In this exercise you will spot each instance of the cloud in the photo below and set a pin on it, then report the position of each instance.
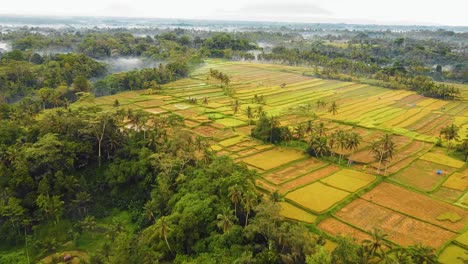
(119, 9)
(283, 9)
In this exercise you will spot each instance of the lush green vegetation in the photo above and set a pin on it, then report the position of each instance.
(22, 73)
(102, 183)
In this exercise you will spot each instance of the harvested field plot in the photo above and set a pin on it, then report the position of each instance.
(155, 110)
(308, 178)
(447, 194)
(423, 175)
(293, 171)
(205, 131)
(317, 196)
(349, 180)
(151, 103)
(336, 227)
(190, 123)
(273, 158)
(363, 156)
(368, 216)
(246, 130)
(247, 152)
(457, 181)
(265, 186)
(443, 159)
(230, 122)
(416, 205)
(232, 141)
(404, 162)
(292, 212)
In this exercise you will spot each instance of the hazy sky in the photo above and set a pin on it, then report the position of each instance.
(426, 12)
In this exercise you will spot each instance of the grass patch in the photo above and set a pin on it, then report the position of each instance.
(450, 216)
(423, 175)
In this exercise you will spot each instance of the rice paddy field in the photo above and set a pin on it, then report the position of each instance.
(421, 195)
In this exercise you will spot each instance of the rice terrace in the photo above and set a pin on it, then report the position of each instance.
(421, 190)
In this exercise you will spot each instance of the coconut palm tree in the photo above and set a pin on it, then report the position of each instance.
(331, 144)
(320, 130)
(319, 103)
(309, 128)
(236, 106)
(235, 195)
(250, 114)
(389, 149)
(383, 150)
(225, 220)
(422, 254)
(352, 143)
(276, 197)
(341, 139)
(299, 131)
(376, 245)
(249, 200)
(333, 108)
(274, 123)
(319, 146)
(259, 110)
(450, 133)
(163, 228)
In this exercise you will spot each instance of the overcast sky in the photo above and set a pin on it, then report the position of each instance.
(425, 12)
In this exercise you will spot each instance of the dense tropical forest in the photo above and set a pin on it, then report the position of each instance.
(120, 185)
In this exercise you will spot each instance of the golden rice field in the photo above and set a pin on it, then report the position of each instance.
(410, 197)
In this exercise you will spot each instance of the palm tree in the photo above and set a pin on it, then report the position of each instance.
(341, 138)
(333, 108)
(259, 110)
(225, 220)
(331, 144)
(235, 195)
(163, 228)
(236, 106)
(299, 131)
(309, 127)
(319, 103)
(276, 197)
(319, 146)
(116, 228)
(320, 130)
(450, 133)
(383, 150)
(249, 200)
(376, 245)
(422, 254)
(353, 142)
(389, 149)
(250, 113)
